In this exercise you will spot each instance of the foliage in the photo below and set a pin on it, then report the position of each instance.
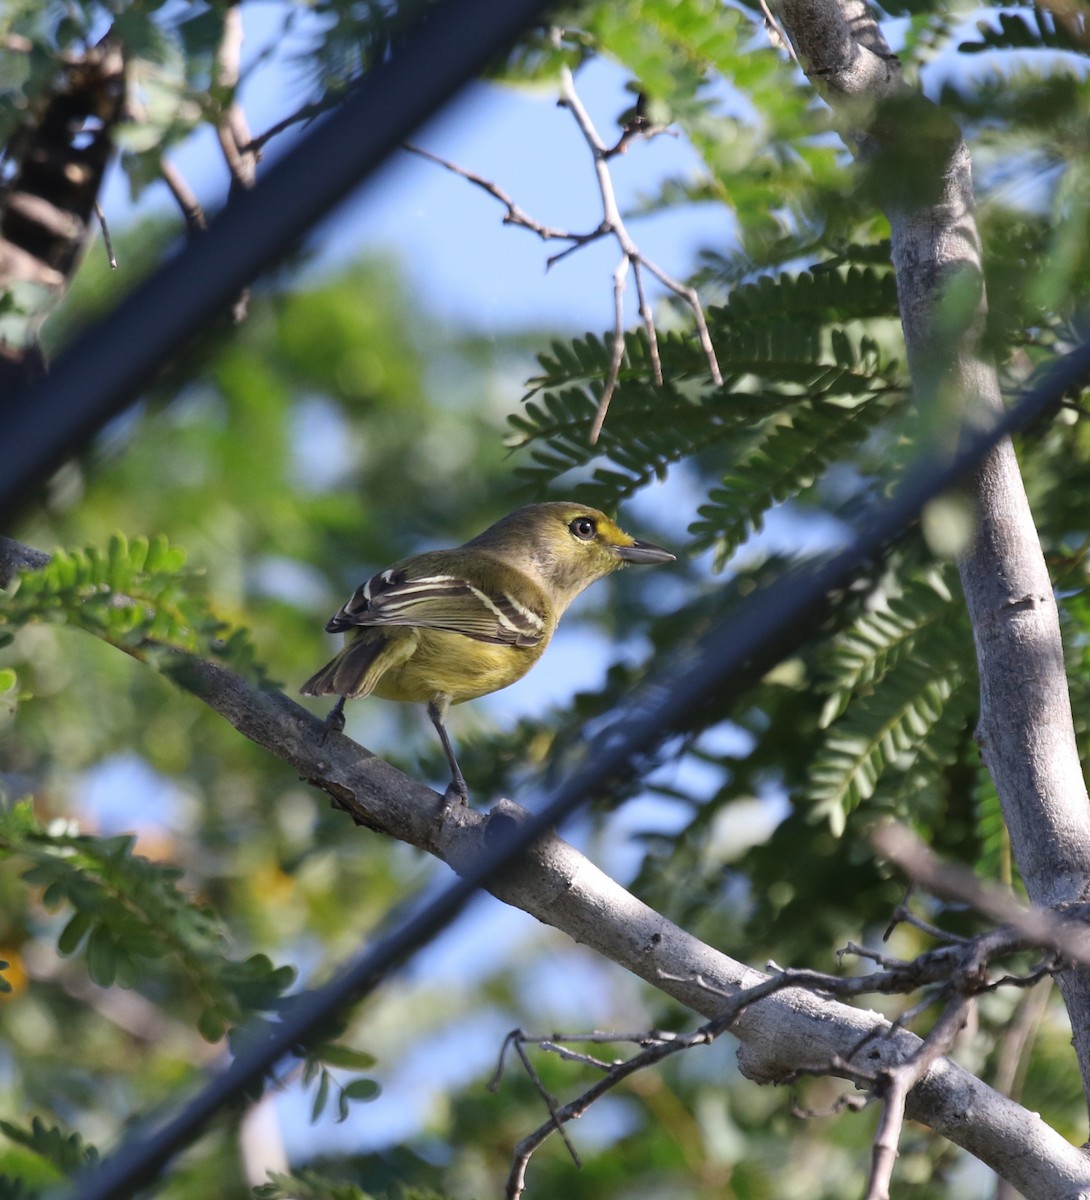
(310, 1185)
(136, 597)
(66, 1152)
(804, 384)
(128, 913)
(341, 427)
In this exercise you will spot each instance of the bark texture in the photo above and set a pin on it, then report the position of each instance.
(1025, 729)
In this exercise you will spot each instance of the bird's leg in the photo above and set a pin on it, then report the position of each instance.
(334, 722)
(437, 710)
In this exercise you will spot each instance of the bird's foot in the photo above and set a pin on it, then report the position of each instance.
(334, 722)
(456, 793)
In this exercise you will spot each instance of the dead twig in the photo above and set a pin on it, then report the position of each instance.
(514, 215)
(903, 915)
(612, 225)
(658, 1047)
(896, 1082)
(1064, 932)
(614, 222)
(232, 128)
(954, 974)
(107, 241)
(307, 113)
(192, 212)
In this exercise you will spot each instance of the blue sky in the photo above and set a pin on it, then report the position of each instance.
(463, 263)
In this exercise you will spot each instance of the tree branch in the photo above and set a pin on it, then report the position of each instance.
(1025, 730)
(184, 196)
(614, 222)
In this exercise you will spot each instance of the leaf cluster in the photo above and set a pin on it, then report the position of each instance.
(130, 917)
(807, 376)
(68, 1153)
(134, 595)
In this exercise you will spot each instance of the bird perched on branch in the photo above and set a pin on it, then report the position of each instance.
(451, 625)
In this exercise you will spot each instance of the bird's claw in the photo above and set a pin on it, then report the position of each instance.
(455, 794)
(334, 722)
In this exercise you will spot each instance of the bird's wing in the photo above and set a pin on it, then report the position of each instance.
(445, 601)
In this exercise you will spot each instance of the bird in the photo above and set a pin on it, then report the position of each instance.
(448, 626)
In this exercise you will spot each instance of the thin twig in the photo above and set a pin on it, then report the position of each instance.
(899, 1081)
(192, 212)
(232, 129)
(960, 970)
(111, 258)
(515, 215)
(776, 35)
(656, 1050)
(612, 225)
(550, 1102)
(307, 113)
(617, 352)
(847, 1102)
(1066, 932)
(648, 324)
(516, 1181)
(903, 915)
(690, 297)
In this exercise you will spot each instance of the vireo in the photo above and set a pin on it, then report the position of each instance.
(451, 625)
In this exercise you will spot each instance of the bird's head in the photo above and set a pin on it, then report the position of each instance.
(565, 546)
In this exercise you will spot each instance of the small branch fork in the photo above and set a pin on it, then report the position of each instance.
(611, 225)
(952, 975)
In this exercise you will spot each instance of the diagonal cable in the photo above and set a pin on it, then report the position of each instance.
(102, 370)
(765, 628)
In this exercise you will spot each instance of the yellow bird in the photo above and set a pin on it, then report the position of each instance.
(451, 625)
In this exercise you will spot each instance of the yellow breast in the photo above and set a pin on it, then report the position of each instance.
(454, 665)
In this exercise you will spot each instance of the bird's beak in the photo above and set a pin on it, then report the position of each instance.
(644, 552)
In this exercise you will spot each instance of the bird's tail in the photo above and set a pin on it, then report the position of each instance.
(359, 666)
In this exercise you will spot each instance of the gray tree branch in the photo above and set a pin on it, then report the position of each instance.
(1025, 729)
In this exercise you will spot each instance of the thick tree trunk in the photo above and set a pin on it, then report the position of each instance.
(1025, 729)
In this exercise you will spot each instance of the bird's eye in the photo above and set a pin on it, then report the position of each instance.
(584, 528)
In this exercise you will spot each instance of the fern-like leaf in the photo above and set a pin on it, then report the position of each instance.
(860, 656)
(1036, 29)
(784, 343)
(128, 913)
(138, 596)
(787, 461)
(877, 733)
(67, 1152)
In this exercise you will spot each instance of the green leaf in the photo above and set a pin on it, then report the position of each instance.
(362, 1089)
(321, 1095)
(102, 957)
(211, 1025)
(346, 1057)
(77, 928)
(65, 1151)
